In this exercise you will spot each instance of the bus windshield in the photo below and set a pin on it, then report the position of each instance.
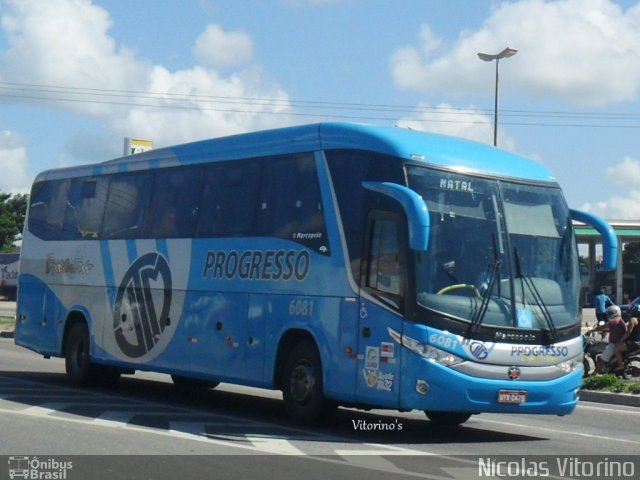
(501, 254)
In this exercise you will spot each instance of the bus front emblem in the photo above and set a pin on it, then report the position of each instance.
(142, 305)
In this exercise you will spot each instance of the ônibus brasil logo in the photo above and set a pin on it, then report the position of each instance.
(141, 309)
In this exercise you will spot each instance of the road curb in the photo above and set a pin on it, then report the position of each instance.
(7, 334)
(626, 399)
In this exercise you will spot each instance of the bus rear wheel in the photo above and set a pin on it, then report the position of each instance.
(77, 361)
(302, 393)
(448, 419)
(79, 367)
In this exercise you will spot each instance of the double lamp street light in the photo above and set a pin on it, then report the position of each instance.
(506, 53)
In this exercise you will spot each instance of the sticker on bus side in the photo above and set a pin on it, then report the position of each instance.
(257, 265)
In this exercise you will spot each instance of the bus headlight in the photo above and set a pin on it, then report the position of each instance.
(432, 354)
(571, 365)
(440, 357)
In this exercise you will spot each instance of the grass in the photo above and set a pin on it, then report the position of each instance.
(7, 321)
(610, 383)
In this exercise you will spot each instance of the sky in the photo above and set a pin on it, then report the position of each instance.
(77, 76)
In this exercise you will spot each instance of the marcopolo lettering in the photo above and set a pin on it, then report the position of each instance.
(257, 265)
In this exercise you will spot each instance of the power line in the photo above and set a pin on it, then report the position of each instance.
(317, 109)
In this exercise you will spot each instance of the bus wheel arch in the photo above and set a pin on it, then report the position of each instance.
(301, 380)
(76, 350)
(73, 318)
(287, 342)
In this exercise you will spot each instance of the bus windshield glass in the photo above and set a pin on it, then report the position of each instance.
(500, 254)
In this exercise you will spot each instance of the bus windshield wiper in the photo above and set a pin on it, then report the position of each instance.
(535, 293)
(477, 318)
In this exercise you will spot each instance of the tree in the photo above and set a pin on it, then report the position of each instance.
(631, 253)
(12, 212)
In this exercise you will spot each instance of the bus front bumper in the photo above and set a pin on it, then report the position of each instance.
(437, 388)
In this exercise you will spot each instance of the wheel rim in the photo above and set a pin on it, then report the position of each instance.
(302, 384)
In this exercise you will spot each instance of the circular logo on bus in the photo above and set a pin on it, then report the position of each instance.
(479, 351)
(142, 305)
(513, 373)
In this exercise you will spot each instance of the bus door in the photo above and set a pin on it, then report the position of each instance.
(379, 311)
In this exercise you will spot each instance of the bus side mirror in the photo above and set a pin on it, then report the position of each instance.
(609, 239)
(414, 207)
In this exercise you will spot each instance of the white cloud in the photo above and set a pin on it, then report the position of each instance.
(585, 51)
(625, 206)
(219, 49)
(13, 163)
(626, 172)
(618, 207)
(468, 123)
(67, 43)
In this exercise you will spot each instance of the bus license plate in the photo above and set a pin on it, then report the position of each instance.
(512, 396)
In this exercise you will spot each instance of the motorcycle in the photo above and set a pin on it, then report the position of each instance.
(593, 350)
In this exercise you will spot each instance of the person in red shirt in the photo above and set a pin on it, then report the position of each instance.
(629, 341)
(617, 329)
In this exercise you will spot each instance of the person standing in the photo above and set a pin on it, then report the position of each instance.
(601, 302)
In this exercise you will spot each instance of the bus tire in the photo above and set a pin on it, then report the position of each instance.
(104, 375)
(447, 419)
(187, 383)
(80, 370)
(302, 390)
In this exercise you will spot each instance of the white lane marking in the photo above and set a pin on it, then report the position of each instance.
(618, 409)
(561, 432)
(280, 446)
(114, 418)
(133, 428)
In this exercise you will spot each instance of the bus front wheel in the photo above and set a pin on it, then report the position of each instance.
(449, 419)
(302, 393)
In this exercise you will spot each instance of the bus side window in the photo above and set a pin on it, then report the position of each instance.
(48, 206)
(384, 267)
(85, 207)
(176, 194)
(127, 205)
(228, 200)
(290, 202)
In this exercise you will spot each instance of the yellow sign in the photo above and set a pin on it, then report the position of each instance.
(136, 145)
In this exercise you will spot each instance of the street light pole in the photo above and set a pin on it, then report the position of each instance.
(506, 53)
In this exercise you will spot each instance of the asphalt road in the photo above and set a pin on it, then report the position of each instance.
(243, 432)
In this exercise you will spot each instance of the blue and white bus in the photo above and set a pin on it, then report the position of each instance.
(343, 264)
